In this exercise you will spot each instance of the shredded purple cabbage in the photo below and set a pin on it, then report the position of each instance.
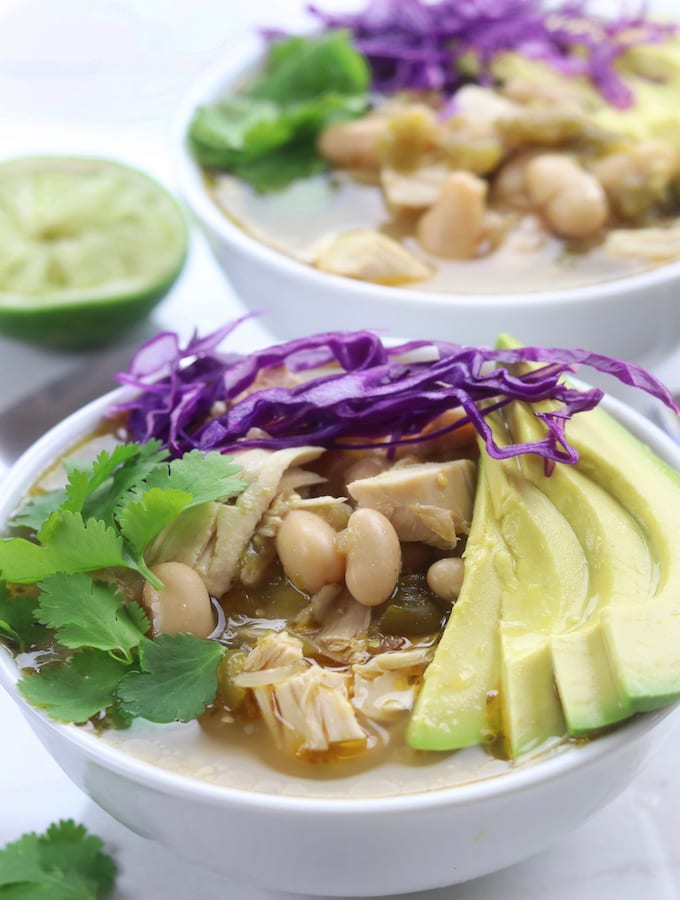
(416, 44)
(365, 392)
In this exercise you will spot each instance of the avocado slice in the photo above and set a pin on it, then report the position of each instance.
(453, 707)
(546, 593)
(642, 636)
(619, 571)
(532, 713)
(570, 606)
(524, 568)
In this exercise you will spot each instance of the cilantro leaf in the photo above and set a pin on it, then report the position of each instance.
(141, 520)
(238, 130)
(177, 681)
(36, 511)
(16, 616)
(75, 691)
(84, 479)
(268, 136)
(131, 489)
(68, 544)
(64, 863)
(276, 171)
(132, 473)
(206, 476)
(86, 613)
(95, 488)
(301, 69)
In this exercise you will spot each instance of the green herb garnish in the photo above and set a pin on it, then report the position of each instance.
(104, 519)
(267, 135)
(63, 863)
(111, 510)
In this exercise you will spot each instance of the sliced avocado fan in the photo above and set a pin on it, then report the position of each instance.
(568, 620)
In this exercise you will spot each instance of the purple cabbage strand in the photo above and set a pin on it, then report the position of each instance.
(364, 392)
(413, 44)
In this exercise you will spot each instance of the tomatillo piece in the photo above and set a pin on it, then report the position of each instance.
(90, 246)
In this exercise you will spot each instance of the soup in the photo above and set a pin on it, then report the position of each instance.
(334, 558)
(500, 173)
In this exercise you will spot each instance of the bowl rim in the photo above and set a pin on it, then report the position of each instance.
(526, 775)
(217, 81)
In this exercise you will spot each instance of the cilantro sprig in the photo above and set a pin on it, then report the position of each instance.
(63, 863)
(110, 511)
(105, 518)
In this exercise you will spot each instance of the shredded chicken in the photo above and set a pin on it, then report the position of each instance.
(386, 686)
(306, 708)
(343, 622)
(236, 523)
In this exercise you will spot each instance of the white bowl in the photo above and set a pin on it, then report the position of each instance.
(342, 845)
(636, 318)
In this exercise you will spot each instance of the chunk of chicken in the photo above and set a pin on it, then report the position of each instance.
(367, 255)
(429, 502)
(236, 523)
(274, 657)
(343, 620)
(454, 226)
(355, 144)
(469, 139)
(434, 446)
(314, 713)
(385, 687)
(307, 711)
(483, 104)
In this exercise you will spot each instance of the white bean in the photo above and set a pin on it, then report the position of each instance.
(307, 549)
(373, 556)
(454, 226)
(445, 577)
(183, 605)
(572, 200)
(355, 144)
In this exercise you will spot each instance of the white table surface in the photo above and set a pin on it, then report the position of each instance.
(103, 76)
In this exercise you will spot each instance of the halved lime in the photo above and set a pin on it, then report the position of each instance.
(88, 247)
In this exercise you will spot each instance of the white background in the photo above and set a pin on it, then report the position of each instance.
(102, 76)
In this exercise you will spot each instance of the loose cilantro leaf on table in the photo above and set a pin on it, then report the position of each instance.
(63, 863)
(75, 691)
(177, 681)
